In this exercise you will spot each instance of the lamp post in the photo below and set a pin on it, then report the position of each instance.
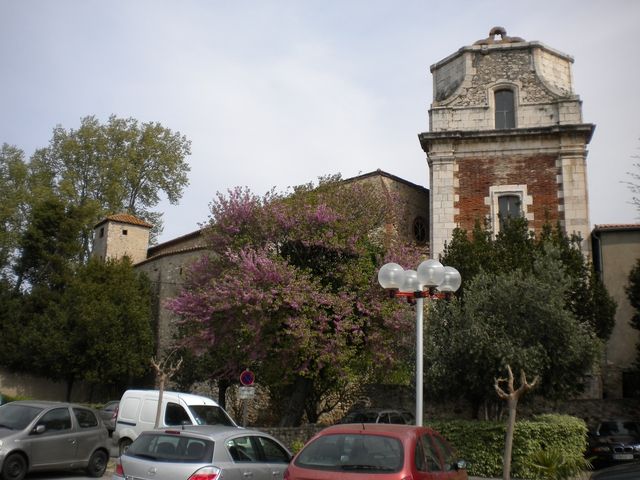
(432, 275)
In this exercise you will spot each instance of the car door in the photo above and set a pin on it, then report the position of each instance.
(249, 460)
(274, 458)
(89, 432)
(448, 459)
(57, 445)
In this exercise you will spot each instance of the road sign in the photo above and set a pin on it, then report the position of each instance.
(247, 378)
(246, 393)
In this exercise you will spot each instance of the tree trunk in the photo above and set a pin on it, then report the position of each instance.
(294, 410)
(223, 386)
(70, 382)
(508, 442)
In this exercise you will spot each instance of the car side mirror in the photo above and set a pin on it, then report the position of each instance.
(38, 429)
(460, 465)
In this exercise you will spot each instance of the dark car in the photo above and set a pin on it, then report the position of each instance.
(108, 414)
(380, 451)
(378, 415)
(38, 435)
(627, 471)
(614, 441)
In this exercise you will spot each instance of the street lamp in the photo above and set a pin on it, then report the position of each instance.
(411, 284)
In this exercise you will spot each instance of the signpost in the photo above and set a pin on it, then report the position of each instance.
(246, 392)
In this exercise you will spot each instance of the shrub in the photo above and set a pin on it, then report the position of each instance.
(481, 443)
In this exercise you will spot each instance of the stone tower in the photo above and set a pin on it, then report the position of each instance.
(121, 235)
(506, 139)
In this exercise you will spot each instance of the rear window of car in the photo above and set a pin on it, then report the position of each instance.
(85, 418)
(171, 447)
(353, 452)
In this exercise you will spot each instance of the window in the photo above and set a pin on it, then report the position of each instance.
(507, 202)
(101, 232)
(176, 415)
(505, 109)
(241, 449)
(163, 447)
(273, 453)
(509, 206)
(125, 231)
(56, 419)
(419, 230)
(426, 455)
(85, 418)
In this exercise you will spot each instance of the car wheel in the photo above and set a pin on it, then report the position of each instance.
(14, 467)
(124, 445)
(97, 464)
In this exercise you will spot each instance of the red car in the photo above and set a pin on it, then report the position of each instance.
(376, 451)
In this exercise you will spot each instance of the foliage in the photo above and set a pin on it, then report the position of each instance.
(109, 306)
(120, 166)
(481, 443)
(48, 247)
(14, 192)
(290, 290)
(516, 248)
(554, 464)
(59, 315)
(96, 329)
(517, 318)
(632, 289)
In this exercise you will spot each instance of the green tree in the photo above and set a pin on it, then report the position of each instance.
(120, 166)
(97, 329)
(14, 192)
(108, 304)
(515, 247)
(516, 318)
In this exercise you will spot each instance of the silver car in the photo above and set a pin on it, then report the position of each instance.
(203, 451)
(38, 435)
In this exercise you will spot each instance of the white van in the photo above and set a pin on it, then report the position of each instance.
(138, 408)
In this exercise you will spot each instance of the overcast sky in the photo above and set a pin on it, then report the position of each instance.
(278, 93)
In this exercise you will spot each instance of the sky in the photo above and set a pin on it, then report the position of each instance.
(276, 93)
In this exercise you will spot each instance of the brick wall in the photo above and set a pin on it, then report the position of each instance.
(477, 175)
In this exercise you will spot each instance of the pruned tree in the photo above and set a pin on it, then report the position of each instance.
(165, 369)
(511, 396)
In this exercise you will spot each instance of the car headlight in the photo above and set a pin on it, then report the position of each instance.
(602, 449)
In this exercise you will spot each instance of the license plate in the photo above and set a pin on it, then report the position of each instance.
(623, 456)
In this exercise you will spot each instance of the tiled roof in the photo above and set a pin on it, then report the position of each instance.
(618, 226)
(125, 218)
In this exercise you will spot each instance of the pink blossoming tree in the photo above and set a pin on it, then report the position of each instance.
(289, 289)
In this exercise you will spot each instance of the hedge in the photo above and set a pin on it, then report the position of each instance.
(481, 443)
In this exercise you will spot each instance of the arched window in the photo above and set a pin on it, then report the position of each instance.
(419, 230)
(505, 109)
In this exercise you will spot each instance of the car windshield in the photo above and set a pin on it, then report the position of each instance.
(210, 415)
(171, 447)
(620, 428)
(17, 417)
(353, 452)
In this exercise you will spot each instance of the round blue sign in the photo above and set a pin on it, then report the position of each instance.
(247, 378)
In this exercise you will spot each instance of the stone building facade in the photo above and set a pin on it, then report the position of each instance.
(506, 137)
(616, 249)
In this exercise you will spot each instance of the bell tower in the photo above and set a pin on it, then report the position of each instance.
(506, 138)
